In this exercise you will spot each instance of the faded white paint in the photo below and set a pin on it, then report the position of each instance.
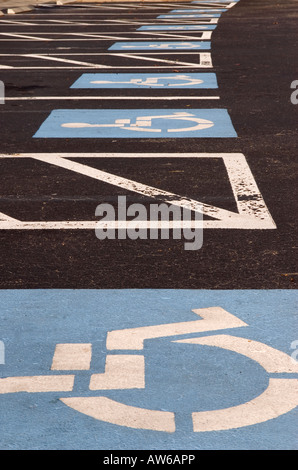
(213, 318)
(121, 372)
(271, 359)
(35, 384)
(253, 213)
(67, 61)
(105, 409)
(204, 61)
(279, 398)
(72, 356)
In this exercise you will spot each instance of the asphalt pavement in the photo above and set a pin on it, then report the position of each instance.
(186, 104)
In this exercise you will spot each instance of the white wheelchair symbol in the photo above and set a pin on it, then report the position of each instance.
(175, 45)
(127, 371)
(154, 81)
(185, 28)
(144, 123)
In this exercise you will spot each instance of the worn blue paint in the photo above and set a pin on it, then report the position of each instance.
(209, 15)
(177, 27)
(160, 45)
(214, 10)
(179, 377)
(135, 123)
(216, 1)
(146, 80)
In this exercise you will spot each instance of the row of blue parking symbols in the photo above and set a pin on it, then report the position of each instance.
(173, 45)
(143, 123)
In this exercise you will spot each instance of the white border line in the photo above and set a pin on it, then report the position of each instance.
(100, 98)
(252, 214)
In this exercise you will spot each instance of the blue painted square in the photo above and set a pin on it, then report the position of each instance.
(146, 80)
(160, 46)
(180, 378)
(178, 27)
(136, 123)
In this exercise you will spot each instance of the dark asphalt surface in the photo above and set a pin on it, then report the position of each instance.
(254, 53)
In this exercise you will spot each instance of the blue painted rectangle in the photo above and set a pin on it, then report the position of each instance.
(156, 46)
(177, 27)
(146, 80)
(136, 123)
(217, 1)
(180, 378)
(211, 15)
(214, 10)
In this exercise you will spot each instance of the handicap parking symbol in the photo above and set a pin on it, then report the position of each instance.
(146, 80)
(201, 15)
(179, 27)
(130, 123)
(214, 10)
(207, 365)
(163, 45)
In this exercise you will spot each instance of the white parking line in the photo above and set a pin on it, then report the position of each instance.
(67, 61)
(162, 98)
(252, 214)
(196, 21)
(62, 36)
(115, 22)
(22, 23)
(20, 37)
(204, 58)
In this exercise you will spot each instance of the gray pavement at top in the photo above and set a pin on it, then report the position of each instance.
(20, 3)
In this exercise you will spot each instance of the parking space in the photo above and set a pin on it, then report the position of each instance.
(111, 112)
